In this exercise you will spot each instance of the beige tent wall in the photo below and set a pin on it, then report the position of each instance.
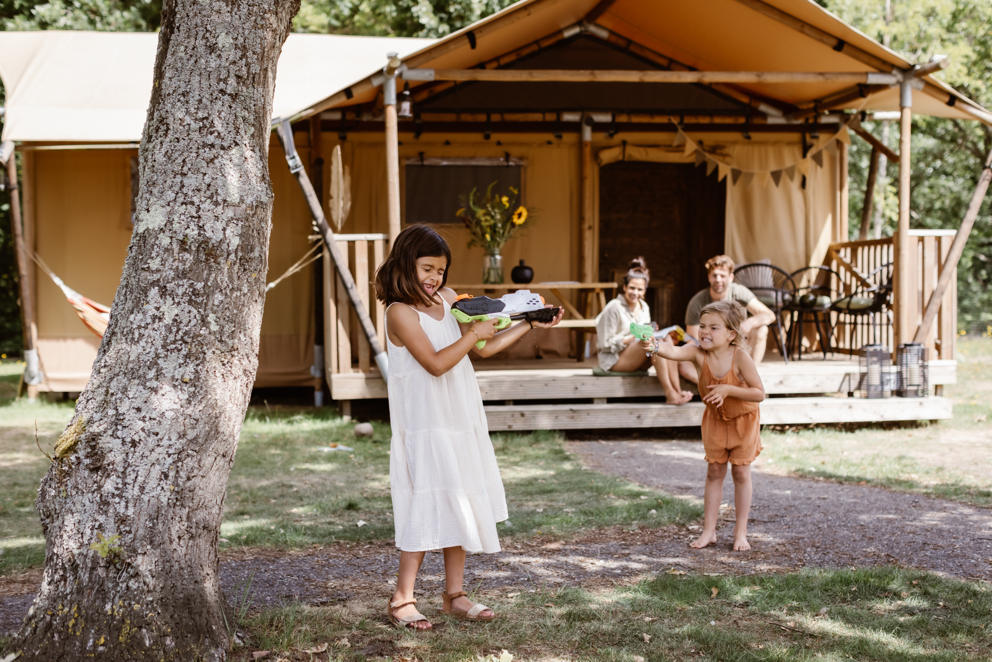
(82, 215)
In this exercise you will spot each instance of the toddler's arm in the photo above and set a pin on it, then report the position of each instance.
(404, 326)
(667, 350)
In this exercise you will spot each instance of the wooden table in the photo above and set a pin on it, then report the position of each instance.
(595, 293)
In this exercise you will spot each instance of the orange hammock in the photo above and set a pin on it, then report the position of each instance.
(94, 315)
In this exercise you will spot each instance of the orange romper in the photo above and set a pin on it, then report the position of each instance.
(731, 432)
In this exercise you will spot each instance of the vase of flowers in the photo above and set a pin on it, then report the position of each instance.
(491, 220)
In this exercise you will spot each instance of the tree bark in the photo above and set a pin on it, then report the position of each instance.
(131, 507)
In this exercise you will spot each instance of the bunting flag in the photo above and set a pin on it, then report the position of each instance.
(818, 157)
(748, 178)
(722, 171)
(790, 172)
(776, 177)
(690, 147)
(763, 179)
(803, 167)
(679, 138)
(735, 175)
(844, 136)
(710, 166)
(700, 156)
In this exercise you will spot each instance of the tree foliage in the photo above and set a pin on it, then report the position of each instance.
(398, 18)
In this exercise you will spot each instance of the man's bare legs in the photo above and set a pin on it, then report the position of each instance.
(633, 358)
(742, 504)
(715, 473)
(454, 574)
(758, 340)
(407, 577)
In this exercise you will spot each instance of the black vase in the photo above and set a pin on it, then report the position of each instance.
(522, 273)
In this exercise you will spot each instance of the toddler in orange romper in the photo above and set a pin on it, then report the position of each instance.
(731, 423)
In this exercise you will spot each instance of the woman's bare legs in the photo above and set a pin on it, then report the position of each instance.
(409, 567)
(633, 358)
(454, 574)
(715, 473)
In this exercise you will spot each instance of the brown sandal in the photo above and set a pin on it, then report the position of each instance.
(407, 622)
(471, 615)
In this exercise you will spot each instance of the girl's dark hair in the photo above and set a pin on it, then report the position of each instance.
(396, 279)
(638, 269)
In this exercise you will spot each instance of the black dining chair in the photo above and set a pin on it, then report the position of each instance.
(870, 303)
(817, 288)
(773, 287)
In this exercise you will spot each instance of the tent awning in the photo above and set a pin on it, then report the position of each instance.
(95, 86)
(717, 35)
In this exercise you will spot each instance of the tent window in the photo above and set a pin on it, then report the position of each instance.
(434, 187)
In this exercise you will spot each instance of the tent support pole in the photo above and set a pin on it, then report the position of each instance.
(29, 326)
(586, 210)
(903, 288)
(392, 157)
(954, 254)
(868, 205)
(285, 133)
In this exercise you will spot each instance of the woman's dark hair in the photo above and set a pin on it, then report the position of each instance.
(638, 269)
(396, 279)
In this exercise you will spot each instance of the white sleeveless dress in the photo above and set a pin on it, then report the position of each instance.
(446, 487)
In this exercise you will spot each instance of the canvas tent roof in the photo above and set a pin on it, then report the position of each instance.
(718, 35)
(95, 86)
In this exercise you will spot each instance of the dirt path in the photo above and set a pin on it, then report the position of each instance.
(796, 523)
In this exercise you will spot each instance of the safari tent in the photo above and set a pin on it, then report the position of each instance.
(673, 130)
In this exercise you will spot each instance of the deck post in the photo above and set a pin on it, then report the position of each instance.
(392, 147)
(32, 374)
(903, 289)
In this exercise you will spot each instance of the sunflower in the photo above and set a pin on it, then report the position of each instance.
(520, 215)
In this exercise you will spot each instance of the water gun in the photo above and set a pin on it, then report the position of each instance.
(519, 305)
(642, 332)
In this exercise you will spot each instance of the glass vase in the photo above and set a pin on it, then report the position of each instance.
(492, 268)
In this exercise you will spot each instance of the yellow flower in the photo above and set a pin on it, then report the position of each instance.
(506, 201)
(487, 236)
(513, 190)
(520, 215)
(460, 212)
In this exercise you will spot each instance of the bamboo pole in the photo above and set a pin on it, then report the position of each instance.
(957, 248)
(876, 144)
(586, 212)
(636, 76)
(869, 201)
(285, 134)
(28, 326)
(903, 287)
(392, 159)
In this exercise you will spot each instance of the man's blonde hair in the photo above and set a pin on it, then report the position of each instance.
(733, 315)
(720, 262)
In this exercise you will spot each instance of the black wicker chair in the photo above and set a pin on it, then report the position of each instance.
(815, 294)
(773, 287)
(870, 303)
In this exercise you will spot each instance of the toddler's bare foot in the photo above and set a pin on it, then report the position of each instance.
(705, 540)
(740, 542)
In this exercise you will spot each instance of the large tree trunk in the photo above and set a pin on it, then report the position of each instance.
(131, 508)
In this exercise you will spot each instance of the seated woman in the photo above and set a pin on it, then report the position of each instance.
(618, 349)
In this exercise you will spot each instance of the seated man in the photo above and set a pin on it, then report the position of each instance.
(722, 286)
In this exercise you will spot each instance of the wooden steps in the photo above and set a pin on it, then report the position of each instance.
(578, 382)
(774, 411)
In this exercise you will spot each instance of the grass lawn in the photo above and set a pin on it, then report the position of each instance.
(883, 614)
(949, 459)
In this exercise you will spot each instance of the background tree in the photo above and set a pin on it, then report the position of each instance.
(131, 507)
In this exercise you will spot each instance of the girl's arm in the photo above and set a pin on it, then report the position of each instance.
(754, 392)
(665, 350)
(404, 326)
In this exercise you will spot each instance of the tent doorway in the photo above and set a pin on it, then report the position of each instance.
(673, 215)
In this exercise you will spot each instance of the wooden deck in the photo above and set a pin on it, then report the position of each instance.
(521, 396)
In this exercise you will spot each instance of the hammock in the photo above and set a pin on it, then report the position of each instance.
(94, 315)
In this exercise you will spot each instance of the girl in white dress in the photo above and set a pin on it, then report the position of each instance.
(446, 489)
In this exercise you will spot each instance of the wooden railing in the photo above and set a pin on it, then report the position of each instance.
(860, 266)
(346, 349)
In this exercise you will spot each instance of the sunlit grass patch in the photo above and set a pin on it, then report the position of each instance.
(883, 614)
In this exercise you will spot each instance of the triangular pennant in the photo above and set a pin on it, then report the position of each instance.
(777, 177)
(790, 172)
(679, 139)
(748, 178)
(844, 135)
(803, 167)
(818, 158)
(700, 157)
(763, 179)
(690, 147)
(710, 167)
(722, 171)
(735, 175)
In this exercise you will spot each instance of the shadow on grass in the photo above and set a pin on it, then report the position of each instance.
(883, 614)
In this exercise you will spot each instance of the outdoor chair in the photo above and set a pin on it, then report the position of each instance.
(870, 303)
(816, 292)
(773, 287)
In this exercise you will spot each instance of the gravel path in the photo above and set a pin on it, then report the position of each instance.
(795, 523)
